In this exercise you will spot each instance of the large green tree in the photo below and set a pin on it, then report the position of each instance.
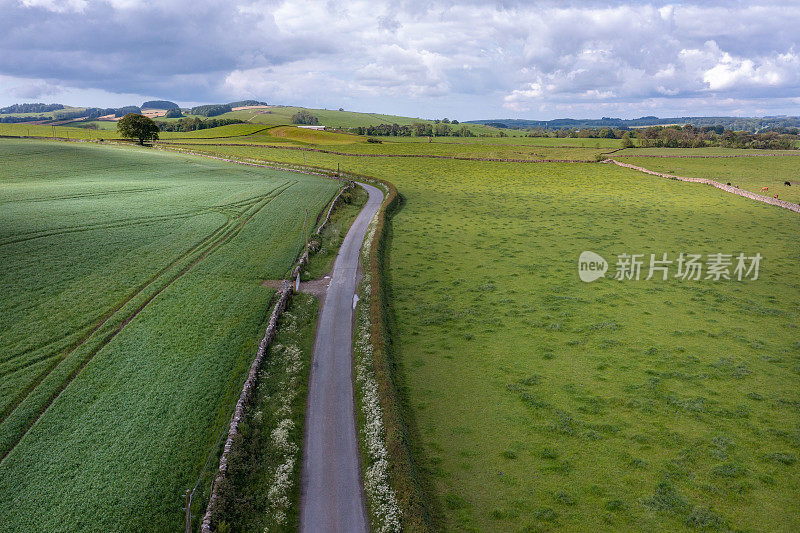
(304, 117)
(136, 126)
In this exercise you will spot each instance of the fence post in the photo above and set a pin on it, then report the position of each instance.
(188, 512)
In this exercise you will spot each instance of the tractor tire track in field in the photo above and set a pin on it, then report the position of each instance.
(727, 188)
(22, 237)
(97, 325)
(245, 204)
(84, 195)
(196, 248)
(423, 156)
(229, 231)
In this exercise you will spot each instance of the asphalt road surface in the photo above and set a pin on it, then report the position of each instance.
(331, 493)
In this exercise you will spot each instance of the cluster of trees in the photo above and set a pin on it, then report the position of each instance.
(14, 120)
(173, 113)
(68, 114)
(693, 137)
(94, 112)
(244, 103)
(687, 136)
(211, 110)
(160, 104)
(417, 129)
(770, 140)
(752, 124)
(118, 112)
(60, 112)
(304, 117)
(195, 123)
(574, 133)
(30, 108)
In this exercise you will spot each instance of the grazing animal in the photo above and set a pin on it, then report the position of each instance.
(764, 189)
(789, 183)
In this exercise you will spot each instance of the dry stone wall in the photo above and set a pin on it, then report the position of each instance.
(718, 185)
(252, 376)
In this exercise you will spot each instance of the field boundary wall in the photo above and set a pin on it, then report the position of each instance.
(718, 185)
(252, 377)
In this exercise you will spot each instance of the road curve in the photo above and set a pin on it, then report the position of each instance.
(331, 493)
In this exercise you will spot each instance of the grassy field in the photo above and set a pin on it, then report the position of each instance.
(749, 173)
(539, 402)
(279, 115)
(131, 309)
(544, 403)
(56, 114)
(104, 125)
(398, 146)
(709, 151)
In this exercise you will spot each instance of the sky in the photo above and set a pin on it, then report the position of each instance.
(457, 59)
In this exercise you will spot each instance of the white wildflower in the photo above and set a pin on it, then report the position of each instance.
(384, 504)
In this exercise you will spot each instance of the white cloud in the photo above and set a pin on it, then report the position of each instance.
(732, 72)
(457, 58)
(57, 6)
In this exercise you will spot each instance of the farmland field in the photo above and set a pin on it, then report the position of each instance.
(749, 173)
(131, 309)
(538, 402)
(545, 403)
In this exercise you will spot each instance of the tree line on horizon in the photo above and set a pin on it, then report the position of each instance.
(752, 124)
(686, 136)
(417, 129)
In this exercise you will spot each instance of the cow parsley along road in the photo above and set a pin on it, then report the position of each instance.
(377, 486)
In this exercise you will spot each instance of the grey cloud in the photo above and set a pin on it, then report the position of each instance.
(540, 56)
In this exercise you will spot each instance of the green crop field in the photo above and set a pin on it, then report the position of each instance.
(131, 309)
(105, 125)
(43, 130)
(544, 403)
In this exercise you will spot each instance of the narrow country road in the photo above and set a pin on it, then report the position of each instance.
(331, 494)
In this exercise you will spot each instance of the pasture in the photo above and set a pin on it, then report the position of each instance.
(131, 309)
(749, 173)
(541, 402)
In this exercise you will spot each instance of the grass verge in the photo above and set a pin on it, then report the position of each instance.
(329, 240)
(262, 489)
(375, 375)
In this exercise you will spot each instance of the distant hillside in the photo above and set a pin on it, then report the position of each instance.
(30, 108)
(160, 104)
(247, 103)
(731, 123)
